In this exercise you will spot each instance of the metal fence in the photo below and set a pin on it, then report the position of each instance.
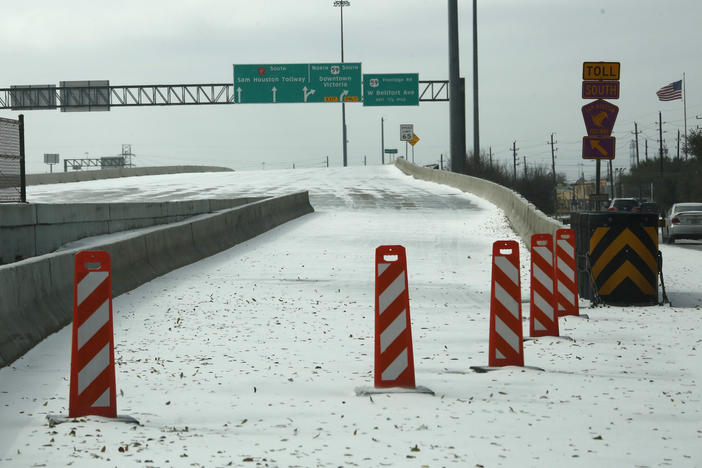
(12, 177)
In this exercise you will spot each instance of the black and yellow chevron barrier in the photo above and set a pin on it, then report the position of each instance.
(623, 253)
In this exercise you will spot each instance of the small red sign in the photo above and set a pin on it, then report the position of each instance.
(261, 71)
(600, 89)
(598, 147)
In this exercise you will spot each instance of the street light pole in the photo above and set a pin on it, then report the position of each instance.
(341, 4)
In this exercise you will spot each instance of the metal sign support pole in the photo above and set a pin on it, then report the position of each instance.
(23, 179)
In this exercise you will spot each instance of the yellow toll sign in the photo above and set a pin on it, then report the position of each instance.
(601, 71)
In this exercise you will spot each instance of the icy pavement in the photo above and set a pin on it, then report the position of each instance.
(251, 357)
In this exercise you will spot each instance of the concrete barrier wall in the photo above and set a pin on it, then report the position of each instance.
(82, 176)
(28, 230)
(523, 216)
(36, 295)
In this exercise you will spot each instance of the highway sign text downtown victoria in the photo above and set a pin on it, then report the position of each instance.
(313, 82)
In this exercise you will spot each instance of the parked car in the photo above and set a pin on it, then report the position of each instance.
(650, 207)
(626, 205)
(683, 221)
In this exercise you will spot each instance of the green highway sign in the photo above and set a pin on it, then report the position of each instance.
(390, 150)
(298, 82)
(391, 89)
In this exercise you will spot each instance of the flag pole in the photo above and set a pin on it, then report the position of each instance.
(685, 113)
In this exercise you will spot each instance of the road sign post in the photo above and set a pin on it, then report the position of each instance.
(600, 80)
(51, 159)
(297, 83)
(413, 141)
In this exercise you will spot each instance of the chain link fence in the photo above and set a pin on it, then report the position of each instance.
(12, 177)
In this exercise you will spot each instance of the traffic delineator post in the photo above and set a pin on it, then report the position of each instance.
(543, 320)
(394, 357)
(92, 386)
(92, 351)
(505, 346)
(566, 273)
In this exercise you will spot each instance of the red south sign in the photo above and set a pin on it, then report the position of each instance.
(600, 90)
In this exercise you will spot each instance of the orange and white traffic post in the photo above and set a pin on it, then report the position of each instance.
(394, 358)
(543, 320)
(566, 273)
(92, 388)
(505, 345)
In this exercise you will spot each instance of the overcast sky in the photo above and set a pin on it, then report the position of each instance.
(530, 58)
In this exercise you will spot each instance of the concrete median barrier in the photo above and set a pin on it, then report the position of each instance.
(36, 294)
(523, 216)
(36, 229)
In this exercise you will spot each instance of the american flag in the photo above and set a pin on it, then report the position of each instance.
(670, 92)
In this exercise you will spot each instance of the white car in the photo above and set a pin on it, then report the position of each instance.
(683, 221)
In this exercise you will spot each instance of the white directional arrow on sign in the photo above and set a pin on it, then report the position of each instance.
(307, 93)
(274, 92)
(343, 93)
(238, 93)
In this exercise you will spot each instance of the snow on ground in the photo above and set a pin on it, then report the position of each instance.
(250, 357)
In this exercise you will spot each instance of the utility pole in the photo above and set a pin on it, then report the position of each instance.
(553, 170)
(364, 160)
(382, 141)
(457, 95)
(441, 162)
(525, 168)
(660, 138)
(514, 156)
(490, 152)
(327, 161)
(636, 133)
(553, 159)
(646, 149)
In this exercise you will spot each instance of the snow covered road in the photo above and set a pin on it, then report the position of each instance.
(250, 357)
